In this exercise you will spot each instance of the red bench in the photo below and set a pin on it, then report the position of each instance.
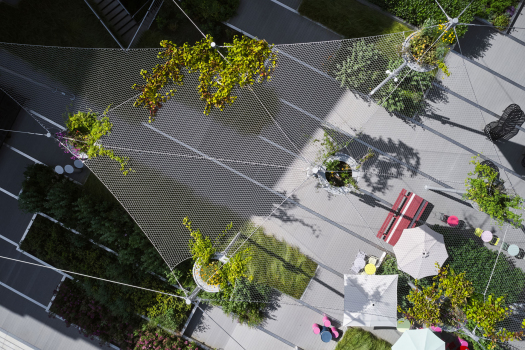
(405, 213)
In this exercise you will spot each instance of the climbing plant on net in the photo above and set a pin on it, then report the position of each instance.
(248, 61)
(84, 130)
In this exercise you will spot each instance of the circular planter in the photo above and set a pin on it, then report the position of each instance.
(71, 149)
(409, 59)
(323, 181)
(196, 271)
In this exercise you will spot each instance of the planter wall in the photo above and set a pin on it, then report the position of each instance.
(321, 174)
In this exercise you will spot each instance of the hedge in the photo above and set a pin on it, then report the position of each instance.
(65, 250)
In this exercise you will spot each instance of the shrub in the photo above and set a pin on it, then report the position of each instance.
(417, 11)
(247, 303)
(359, 339)
(482, 189)
(65, 250)
(478, 262)
(169, 312)
(82, 209)
(73, 305)
(153, 338)
(38, 179)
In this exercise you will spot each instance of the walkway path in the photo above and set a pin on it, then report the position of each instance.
(278, 22)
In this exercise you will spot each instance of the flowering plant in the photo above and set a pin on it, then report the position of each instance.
(430, 45)
(154, 338)
(91, 318)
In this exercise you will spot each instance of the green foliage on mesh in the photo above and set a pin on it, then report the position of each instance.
(248, 302)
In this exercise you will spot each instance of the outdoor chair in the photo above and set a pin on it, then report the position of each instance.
(360, 255)
(335, 332)
(478, 232)
(495, 240)
(316, 328)
(355, 269)
(505, 127)
(505, 246)
(373, 260)
(363, 273)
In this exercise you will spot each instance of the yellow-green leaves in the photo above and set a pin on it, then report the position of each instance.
(247, 61)
(84, 129)
(481, 189)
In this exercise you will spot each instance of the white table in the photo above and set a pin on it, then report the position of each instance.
(513, 250)
(69, 169)
(59, 170)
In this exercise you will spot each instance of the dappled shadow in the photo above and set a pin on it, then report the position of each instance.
(283, 213)
(386, 167)
(476, 41)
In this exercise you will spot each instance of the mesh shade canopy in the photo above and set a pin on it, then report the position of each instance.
(251, 164)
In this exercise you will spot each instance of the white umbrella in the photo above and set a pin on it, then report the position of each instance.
(419, 339)
(418, 250)
(370, 300)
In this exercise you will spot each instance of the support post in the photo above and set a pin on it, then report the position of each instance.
(391, 76)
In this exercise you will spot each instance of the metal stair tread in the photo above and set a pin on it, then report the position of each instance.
(117, 19)
(107, 10)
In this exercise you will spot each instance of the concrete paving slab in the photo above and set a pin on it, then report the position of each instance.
(14, 221)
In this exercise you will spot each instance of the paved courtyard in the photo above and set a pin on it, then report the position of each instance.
(432, 148)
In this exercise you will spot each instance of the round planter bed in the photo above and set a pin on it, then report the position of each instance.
(410, 60)
(202, 274)
(333, 182)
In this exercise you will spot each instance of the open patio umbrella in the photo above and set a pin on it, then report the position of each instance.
(418, 250)
(370, 300)
(419, 339)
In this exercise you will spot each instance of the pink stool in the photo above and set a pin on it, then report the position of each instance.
(462, 342)
(326, 322)
(453, 221)
(435, 329)
(316, 328)
(335, 333)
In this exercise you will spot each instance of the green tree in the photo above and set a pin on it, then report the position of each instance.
(59, 202)
(243, 65)
(38, 178)
(359, 71)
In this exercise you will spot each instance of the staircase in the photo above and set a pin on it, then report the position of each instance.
(118, 18)
(121, 22)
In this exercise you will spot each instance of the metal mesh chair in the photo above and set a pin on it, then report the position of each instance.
(505, 127)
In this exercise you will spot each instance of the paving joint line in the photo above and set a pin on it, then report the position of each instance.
(311, 211)
(293, 346)
(366, 144)
(493, 72)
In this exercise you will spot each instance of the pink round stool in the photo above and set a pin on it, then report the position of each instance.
(453, 221)
(335, 332)
(326, 322)
(316, 329)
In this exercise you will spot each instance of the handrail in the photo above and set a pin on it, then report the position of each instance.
(140, 9)
(124, 7)
(101, 21)
(142, 22)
